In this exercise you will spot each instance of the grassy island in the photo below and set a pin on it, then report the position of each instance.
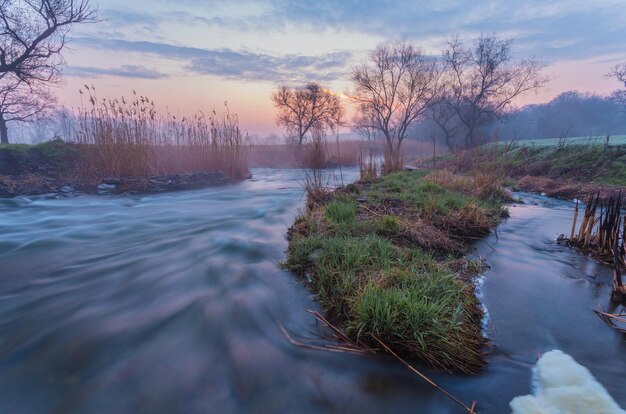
(387, 257)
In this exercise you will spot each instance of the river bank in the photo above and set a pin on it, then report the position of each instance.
(567, 171)
(29, 184)
(57, 167)
(173, 302)
(387, 261)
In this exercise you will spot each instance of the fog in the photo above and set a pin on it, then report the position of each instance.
(571, 114)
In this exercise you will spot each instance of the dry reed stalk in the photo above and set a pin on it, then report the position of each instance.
(329, 348)
(392, 162)
(612, 319)
(574, 222)
(619, 290)
(338, 335)
(335, 335)
(601, 237)
(367, 167)
(470, 410)
(131, 138)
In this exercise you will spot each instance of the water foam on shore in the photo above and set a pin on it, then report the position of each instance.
(562, 386)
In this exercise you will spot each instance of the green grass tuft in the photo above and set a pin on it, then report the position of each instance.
(341, 211)
(373, 277)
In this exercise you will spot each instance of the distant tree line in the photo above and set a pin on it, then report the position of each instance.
(571, 114)
(460, 99)
(399, 86)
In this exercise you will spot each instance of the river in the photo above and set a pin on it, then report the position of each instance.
(173, 303)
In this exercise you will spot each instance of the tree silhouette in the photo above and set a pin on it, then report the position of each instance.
(481, 82)
(393, 90)
(32, 35)
(307, 110)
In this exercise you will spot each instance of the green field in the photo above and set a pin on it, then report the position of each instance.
(554, 142)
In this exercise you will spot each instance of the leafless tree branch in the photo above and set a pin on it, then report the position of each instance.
(393, 90)
(307, 110)
(32, 35)
(481, 82)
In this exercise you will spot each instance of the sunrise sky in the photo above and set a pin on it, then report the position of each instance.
(194, 54)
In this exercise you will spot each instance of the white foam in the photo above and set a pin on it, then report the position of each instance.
(565, 387)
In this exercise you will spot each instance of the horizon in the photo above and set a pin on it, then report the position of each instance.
(198, 56)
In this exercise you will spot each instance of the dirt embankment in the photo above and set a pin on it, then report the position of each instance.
(565, 189)
(54, 168)
(572, 171)
(569, 171)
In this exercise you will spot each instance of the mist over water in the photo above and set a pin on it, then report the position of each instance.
(173, 303)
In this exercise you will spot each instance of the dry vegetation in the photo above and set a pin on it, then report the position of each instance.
(131, 138)
(602, 233)
(563, 170)
(386, 259)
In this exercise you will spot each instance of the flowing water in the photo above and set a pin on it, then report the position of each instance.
(173, 303)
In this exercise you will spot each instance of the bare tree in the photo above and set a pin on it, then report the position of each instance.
(22, 102)
(481, 82)
(363, 126)
(619, 72)
(33, 33)
(393, 90)
(32, 36)
(307, 111)
(444, 117)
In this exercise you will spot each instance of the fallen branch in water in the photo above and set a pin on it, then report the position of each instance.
(332, 333)
(329, 348)
(611, 319)
(338, 335)
(470, 410)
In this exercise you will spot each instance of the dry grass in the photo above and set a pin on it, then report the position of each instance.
(368, 170)
(344, 153)
(385, 258)
(392, 163)
(484, 184)
(131, 138)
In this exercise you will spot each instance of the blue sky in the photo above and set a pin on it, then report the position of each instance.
(192, 54)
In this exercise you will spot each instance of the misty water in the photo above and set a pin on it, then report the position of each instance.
(174, 302)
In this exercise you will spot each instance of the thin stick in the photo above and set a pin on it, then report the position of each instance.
(425, 378)
(329, 348)
(339, 334)
(575, 218)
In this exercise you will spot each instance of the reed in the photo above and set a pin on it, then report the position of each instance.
(120, 137)
(368, 169)
(602, 233)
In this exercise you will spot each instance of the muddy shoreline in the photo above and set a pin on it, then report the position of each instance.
(565, 189)
(35, 184)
